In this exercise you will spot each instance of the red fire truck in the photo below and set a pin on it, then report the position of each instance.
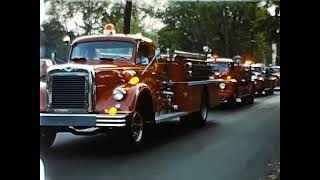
(122, 83)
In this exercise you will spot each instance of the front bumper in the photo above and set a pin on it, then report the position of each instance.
(85, 120)
(225, 94)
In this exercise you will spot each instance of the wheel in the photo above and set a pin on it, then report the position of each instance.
(245, 100)
(47, 138)
(132, 135)
(202, 115)
(271, 92)
(251, 99)
(198, 118)
(232, 101)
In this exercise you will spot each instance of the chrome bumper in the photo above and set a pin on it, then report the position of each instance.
(87, 120)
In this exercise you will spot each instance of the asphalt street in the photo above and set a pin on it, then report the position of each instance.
(236, 144)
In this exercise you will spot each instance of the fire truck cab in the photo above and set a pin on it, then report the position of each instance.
(123, 83)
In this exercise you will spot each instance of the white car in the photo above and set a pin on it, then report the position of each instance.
(42, 173)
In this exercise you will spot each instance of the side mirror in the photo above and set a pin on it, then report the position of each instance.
(53, 57)
(157, 53)
(66, 40)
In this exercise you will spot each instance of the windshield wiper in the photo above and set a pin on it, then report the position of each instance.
(106, 59)
(78, 58)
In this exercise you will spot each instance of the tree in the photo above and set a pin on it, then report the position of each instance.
(228, 28)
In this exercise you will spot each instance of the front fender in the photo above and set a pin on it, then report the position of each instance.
(43, 87)
(127, 104)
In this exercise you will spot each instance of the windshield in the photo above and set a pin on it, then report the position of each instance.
(219, 67)
(103, 50)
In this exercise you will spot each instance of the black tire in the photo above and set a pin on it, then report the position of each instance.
(202, 115)
(251, 99)
(132, 135)
(271, 92)
(232, 101)
(245, 100)
(199, 118)
(47, 137)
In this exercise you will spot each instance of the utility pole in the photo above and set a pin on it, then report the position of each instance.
(252, 41)
(226, 34)
(127, 17)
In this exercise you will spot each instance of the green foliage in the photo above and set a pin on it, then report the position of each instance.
(242, 28)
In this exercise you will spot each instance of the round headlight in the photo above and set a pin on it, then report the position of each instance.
(118, 94)
(222, 86)
(261, 78)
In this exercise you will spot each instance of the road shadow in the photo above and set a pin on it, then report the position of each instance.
(239, 107)
(108, 146)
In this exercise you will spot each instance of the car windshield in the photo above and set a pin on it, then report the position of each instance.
(102, 50)
(219, 67)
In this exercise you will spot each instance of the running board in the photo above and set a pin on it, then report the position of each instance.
(169, 117)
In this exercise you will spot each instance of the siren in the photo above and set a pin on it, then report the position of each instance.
(109, 29)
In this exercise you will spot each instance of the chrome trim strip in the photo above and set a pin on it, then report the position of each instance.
(193, 83)
(111, 125)
(169, 116)
(110, 121)
(117, 116)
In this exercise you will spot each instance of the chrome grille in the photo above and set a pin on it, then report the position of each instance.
(69, 92)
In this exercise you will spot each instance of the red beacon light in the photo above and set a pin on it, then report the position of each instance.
(109, 29)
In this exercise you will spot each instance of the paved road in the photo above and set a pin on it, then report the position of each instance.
(235, 145)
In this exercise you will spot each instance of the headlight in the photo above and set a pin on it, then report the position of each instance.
(222, 86)
(254, 77)
(261, 78)
(118, 94)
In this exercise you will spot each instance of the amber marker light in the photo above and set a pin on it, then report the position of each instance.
(134, 80)
(112, 111)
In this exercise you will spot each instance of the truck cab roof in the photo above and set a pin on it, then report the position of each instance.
(116, 37)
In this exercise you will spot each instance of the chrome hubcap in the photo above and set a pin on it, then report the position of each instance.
(137, 127)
